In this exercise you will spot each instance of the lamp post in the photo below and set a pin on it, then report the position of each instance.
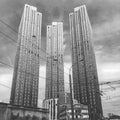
(71, 97)
(72, 106)
(57, 88)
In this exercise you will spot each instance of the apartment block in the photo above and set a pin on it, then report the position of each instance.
(26, 69)
(85, 78)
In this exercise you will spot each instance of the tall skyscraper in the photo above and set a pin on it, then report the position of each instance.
(55, 65)
(85, 78)
(26, 69)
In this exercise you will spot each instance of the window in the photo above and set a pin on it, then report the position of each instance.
(34, 36)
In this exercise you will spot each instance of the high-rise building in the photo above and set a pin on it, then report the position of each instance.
(55, 65)
(55, 91)
(26, 69)
(85, 78)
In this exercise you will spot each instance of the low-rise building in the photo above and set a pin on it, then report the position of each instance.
(80, 112)
(52, 106)
(14, 112)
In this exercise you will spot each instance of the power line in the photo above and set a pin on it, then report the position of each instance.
(18, 33)
(25, 47)
(40, 76)
(8, 37)
(64, 82)
(8, 26)
(5, 85)
(13, 67)
(56, 74)
(10, 88)
(41, 88)
(110, 82)
(14, 31)
(6, 64)
(13, 40)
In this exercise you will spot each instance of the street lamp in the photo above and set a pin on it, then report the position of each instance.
(71, 97)
(57, 87)
(71, 89)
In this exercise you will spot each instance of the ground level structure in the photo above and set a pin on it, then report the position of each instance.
(10, 112)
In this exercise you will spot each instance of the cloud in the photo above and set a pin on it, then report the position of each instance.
(101, 11)
(107, 30)
(106, 40)
(97, 10)
(5, 79)
(108, 71)
(104, 17)
(56, 12)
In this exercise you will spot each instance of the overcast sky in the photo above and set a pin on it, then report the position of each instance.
(105, 20)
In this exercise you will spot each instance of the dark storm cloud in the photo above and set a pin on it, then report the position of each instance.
(10, 14)
(100, 11)
(104, 17)
(45, 17)
(56, 12)
(59, 8)
(109, 48)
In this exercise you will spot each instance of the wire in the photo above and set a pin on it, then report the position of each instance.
(26, 48)
(56, 74)
(13, 67)
(8, 37)
(10, 88)
(5, 64)
(13, 40)
(5, 85)
(8, 26)
(50, 78)
(16, 41)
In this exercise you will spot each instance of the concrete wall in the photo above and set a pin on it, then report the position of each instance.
(3, 111)
(8, 112)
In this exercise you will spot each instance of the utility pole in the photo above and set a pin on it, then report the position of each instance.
(57, 89)
(71, 98)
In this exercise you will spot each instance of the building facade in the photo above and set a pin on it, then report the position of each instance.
(80, 112)
(13, 112)
(85, 78)
(51, 105)
(26, 69)
(55, 65)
